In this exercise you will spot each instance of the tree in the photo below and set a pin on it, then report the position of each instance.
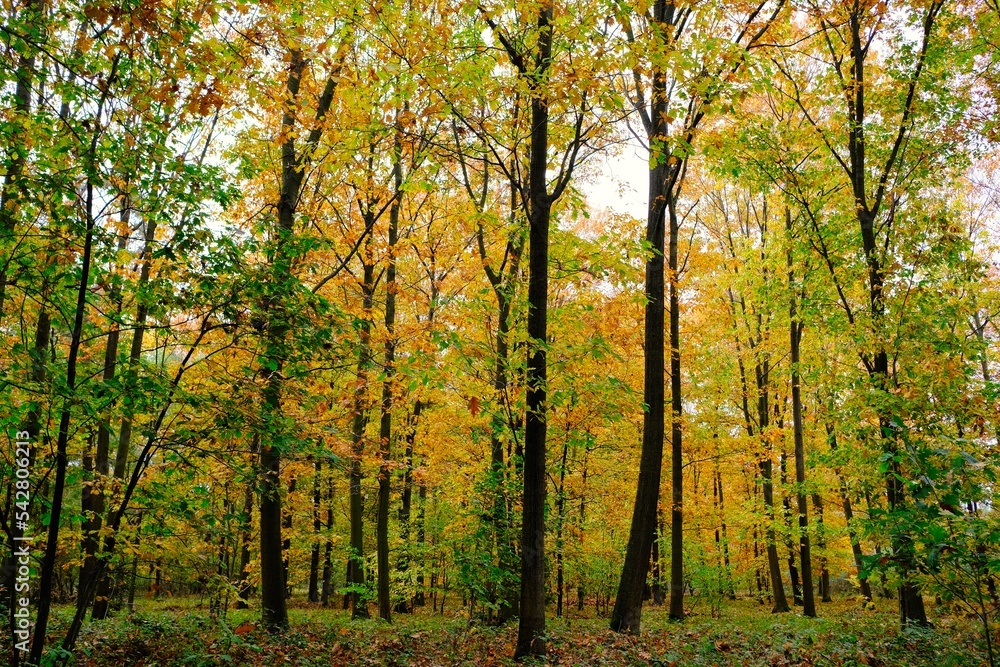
(670, 146)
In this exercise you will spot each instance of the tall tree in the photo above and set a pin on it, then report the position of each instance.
(795, 340)
(670, 145)
(534, 65)
(280, 291)
(848, 32)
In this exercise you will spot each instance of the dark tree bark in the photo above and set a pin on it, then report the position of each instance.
(286, 542)
(89, 526)
(504, 284)
(356, 568)
(795, 338)
(824, 581)
(580, 589)
(418, 599)
(294, 163)
(560, 523)
(666, 175)
(45, 593)
(721, 538)
(535, 69)
(762, 373)
(85, 595)
(328, 550)
(657, 587)
(94, 506)
(317, 527)
(676, 433)
(385, 422)
(58, 488)
(531, 626)
(627, 613)
(874, 210)
(406, 499)
(246, 536)
(790, 546)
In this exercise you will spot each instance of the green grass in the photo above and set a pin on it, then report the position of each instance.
(177, 631)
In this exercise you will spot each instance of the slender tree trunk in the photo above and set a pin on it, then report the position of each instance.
(418, 599)
(94, 497)
(274, 613)
(385, 422)
(317, 527)
(294, 166)
(135, 567)
(531, 622)
(58, 488)
(626, 615)
(790, 546)
(795, 338)
(731, 589)
(824, 581)
(503, 284)
(657, 575)
(286, 542)
(863, 582)
(580, 589)
(765, 465)
(88, 528)
(406, 501)
(503, 537)
(356, 570)
(676, 433)
(911, 605)
(560, 523)
(979, 329)
(328, 551)
(246, 535)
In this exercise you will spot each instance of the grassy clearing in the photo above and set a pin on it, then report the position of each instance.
(180, 632)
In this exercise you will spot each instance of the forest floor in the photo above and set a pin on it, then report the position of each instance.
(179, 631)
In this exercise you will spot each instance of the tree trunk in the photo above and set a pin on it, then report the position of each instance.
(94, 499)
(676, 433)
(418, 599)
(626, 615)
(911, 606)
(286, 542)
(531, 625)
(795, 338)
(561, 522)
(657, 576)
(317, 527)
(765, 465)
(793, 570)
(863, 583)
(731, 589)
(356, 570)
(406, 501)
(328, 551)
(385, 422)
(580, 590)
(824, 581)
(246, 535)
(274, 613)
(52, 541)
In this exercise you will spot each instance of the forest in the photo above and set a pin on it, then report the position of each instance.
(483, 332)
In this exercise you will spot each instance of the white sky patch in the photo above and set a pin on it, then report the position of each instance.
(618, 181)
